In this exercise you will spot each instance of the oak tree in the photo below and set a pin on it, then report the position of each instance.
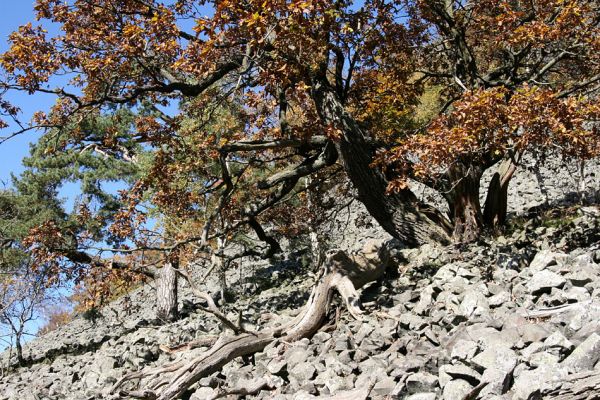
(312, 88)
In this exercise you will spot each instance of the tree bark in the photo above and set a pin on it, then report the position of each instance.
(401, 214)
(166, 293)
(463, 202)
(19, 347)
(495, 208)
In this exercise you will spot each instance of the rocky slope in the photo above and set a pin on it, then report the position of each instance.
(511, 318)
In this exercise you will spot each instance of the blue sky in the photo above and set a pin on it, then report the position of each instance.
(13, 151)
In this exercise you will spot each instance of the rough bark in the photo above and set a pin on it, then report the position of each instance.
(19, 347)
(401, 214)
(495, 208)
(166, 293)
(340, 272)
(463, 201)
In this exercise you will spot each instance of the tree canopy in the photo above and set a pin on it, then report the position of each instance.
(230, 105)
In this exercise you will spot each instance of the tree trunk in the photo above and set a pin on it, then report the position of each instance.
(463, 201)
(495, 208)
(19, 347)
(401, 214)
(220, 265)
(166, 293)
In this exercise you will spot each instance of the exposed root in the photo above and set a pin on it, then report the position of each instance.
(203, 342)
(340, 272)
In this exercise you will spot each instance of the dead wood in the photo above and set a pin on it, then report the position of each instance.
(203, 342)
(341, 272)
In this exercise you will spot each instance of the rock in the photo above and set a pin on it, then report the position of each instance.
(464, 349)
(497, 381)
(456, 389)
(544, 281)
(532, 333)
(421, 382)
(542, 260)
(543, 358)
(423, 307)
(474, 303)
(530, 383)
(296, 356)
(502, 358)
(322, 337)
(302, 372)
(422, 396)
(499, 299)
(384, 386)
(277, 365)
(460, 371)
(585, 356)
(412, 322)
(558, 343)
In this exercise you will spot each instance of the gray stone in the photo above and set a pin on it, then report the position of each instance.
(499, 299)
(532, 333)
(456, 389)
(558, 343)
(544, 281)
(529, 384)
(384, 386)
(421, 382)
(473, 303)
(498, 381)
(277, 365)
(302, 372)
(321, 337)
(502, 358)
(422, 396)
(412, 322)
(543, 358)
(542, 260)
(464, 349)
(296, 356)
(585, 356)
(460, 371)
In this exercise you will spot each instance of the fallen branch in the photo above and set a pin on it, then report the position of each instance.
(204, 342)
(548, 312)
(340, 272)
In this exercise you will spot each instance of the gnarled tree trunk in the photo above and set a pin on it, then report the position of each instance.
(495, 208)
(166, 293)
(463, 201)
(401, 214)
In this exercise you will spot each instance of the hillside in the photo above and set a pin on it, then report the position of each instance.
(510, 317)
